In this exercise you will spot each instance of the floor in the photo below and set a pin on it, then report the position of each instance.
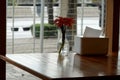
(14, 73)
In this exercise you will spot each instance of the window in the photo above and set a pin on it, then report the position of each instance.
(92, 16)
(24, 15)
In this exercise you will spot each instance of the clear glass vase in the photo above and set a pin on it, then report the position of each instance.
(65, 49)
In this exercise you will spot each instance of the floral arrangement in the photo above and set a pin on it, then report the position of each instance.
(62, 23)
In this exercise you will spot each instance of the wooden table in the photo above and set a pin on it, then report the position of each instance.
(48, 66)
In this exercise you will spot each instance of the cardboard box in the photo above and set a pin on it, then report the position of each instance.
(90, 45)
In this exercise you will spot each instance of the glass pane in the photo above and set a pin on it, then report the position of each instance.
(24, 14)
(91, 13)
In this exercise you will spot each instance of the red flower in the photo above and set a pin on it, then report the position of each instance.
(62, 21)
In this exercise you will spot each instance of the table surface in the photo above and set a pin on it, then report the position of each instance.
(50, 66)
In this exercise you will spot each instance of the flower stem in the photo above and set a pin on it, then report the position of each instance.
(63, 30)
